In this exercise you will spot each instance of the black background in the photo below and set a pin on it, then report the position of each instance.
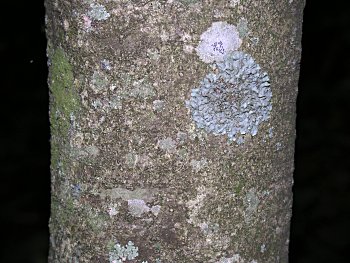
(320, 222)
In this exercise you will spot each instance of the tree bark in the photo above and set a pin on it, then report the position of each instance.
(172, 129)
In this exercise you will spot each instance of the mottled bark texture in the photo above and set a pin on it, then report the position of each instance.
(172, 129)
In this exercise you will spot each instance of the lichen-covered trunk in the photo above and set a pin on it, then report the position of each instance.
(172, 129)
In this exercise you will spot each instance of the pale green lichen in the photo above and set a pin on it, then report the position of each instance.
(137, 207)
(168, 145)
(158, 105)
(242, 27)
(146, 194)
(198, 165)
(251, 202)
(120, 253)
(153, 54)
(99, 82)
(188, 2)
(131, 88)
(90, 151)
(181, 137)
(96, 221)
(141, 89)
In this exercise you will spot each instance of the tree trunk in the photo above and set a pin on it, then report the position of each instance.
(172, 129)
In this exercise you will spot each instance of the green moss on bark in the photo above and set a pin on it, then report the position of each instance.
(64, 101)
(64, 98)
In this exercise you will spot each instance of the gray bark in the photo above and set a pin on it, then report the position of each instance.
(172, 129)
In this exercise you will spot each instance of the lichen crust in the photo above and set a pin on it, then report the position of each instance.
(218, 41)
(234, 99)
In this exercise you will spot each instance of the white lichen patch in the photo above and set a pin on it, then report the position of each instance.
(251, 202)
(198, 165)
(98, 12)
(146, 194)
(158, 105)
(153, 54)
(188, 49)
(188, 2)
(115, 102)
(107, 104)
(133, 160)
(218, 41)
(209, 229)
(234, 100)
(119, 253)
(242, 27)
(141, 89)
(155, 209)
(278, 146)
(113, 210)
(181, 137)
(86, 152)
(99, 82)
(137, 207)
(234, 3)
(270, 133)
(168, 145)
(236, 258)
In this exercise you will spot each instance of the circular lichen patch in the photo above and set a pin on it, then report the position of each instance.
(233, 101)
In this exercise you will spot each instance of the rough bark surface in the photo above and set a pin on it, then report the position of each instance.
(135, 178)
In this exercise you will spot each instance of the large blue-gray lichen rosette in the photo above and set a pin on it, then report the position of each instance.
(234, 100)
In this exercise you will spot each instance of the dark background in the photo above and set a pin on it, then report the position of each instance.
(320, 222)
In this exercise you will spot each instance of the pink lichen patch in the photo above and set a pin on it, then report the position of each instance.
(87, 22)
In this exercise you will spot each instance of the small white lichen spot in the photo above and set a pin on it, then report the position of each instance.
(99, 82)
(236, 258)
(198, 165)
(155, 209)
(158, 105)
(137, 207)
(66, 25)
(167, 144)
(219, 40)
(233, 3)
(113, 210)
(188, 49)
(98, 12)
(278, 146)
